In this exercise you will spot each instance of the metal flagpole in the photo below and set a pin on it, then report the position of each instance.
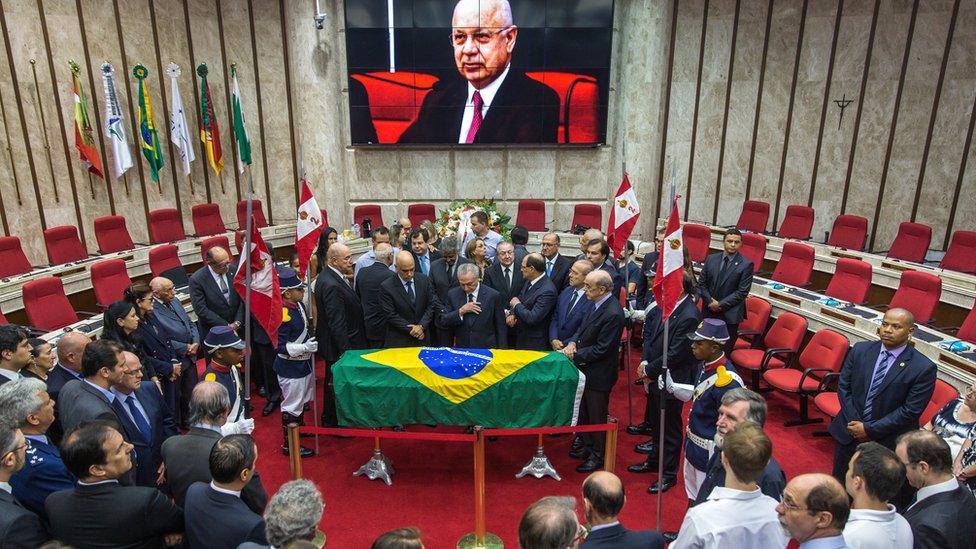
(663, 393)
(246, 257)
(627, 363)
(308, 307)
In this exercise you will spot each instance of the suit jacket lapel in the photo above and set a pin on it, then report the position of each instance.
(734, 262)
(898, 367)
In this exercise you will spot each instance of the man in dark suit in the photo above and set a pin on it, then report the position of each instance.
(27, 404)
(340, 325)
(603, 499)
(504, 275)
(213, 513)
(99, 512)
(557, 266)
(724, 284)
(368, 283)
(19, 528)
(186, 457)
(493, 103)
(149, 421)
(423, 255)
(681, 363)
(15, 352)
(571, 306)
(215, 302)
(598, 254)
(443, 276)
(944, 513)
(71, 347)
(593, 348)
(408, 304)
(531, 312)
(184, 339)
(884, 387)
(103, 366)
(473, 313)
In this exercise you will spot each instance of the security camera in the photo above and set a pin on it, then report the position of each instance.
(320, 21)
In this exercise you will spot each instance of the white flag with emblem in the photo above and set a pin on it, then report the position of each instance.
(178, 132)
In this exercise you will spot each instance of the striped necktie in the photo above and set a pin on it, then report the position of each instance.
(876, 380)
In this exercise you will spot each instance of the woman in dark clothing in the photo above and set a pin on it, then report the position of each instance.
(122, 325)
(43, 359)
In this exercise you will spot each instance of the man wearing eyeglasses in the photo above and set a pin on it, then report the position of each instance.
(493, 103)
(18, 526)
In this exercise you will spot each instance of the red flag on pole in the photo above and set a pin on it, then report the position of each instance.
(265, 291)
(308, 228)
(623, 217)
(670, 266)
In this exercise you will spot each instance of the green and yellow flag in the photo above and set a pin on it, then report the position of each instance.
(491, 387)
(148, 138)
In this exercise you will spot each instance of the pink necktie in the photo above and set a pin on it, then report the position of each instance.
(476, 120)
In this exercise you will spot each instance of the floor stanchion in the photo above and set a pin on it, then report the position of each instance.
(610, 450)
(294, 452)
(480, 538)
(539, 466)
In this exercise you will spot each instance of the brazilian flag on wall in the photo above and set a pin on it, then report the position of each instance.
(490, 387)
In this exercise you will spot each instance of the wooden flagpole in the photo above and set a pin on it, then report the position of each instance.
(40, 116)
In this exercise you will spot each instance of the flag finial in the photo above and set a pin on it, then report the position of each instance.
(140, 72)
(75, 69)
(202, 70)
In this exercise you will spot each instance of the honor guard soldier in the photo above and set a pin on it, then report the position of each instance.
(226, 352)
(714, 375)
(296, 350)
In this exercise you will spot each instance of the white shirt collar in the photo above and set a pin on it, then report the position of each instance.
(38, 438)
(600, 303)
(82, 483)
(10, 374)
(832, 542)
(206, 426)
(721, 492)
(109, 395)
(488, 92)
(235, 493)
(872, 515)
(475, 292)
(216, 276)
(538, 278)
(602, 526)
(336, 271)
(934, 489)
(5, 486)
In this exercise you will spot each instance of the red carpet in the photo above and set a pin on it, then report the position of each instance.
(433, 486)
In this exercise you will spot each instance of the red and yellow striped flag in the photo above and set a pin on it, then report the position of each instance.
(209, 133)
(84, 141)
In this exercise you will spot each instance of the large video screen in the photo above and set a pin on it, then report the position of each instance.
(478, 72)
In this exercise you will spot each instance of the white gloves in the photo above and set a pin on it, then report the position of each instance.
(242, 427)
(637, 315)
(681, 391)
(298, 349)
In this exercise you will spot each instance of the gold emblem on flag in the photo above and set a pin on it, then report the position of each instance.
(303, 215)
(675, 243)
(622, 203)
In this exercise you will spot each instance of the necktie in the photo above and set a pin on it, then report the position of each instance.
(725, 264)
(875, 386)
(549, 268)
(508, 279)
(141, 423)
(413, 296)
(425, 265)
(470, 298)
(572, 303)
(222, 282)
(476, 120)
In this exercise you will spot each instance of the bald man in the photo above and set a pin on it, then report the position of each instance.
(212, 293)
(603, 499)
(339, 325)
(183, 337)
(491, 102)
(71, 347)
(814, 510)
(408, 302)
(367, 284)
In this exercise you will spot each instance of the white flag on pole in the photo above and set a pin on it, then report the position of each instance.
(114, 124)
(178, 132)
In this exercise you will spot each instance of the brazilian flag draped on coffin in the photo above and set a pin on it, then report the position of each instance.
(490, 387)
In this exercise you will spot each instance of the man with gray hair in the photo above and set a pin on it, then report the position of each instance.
(443, 276)
(368, 288)
(184, 340)
(293, 514)
(26, 404)
(19, 528)
(550, 523)
(473, 313)
(187, 457)
(738, 405)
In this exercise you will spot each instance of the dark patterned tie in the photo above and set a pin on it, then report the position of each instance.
(476, 120)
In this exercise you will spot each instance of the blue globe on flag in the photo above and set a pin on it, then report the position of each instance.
(455, 363)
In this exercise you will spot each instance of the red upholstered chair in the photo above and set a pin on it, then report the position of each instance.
(394, 100)
(207, 220)
(46, 305)
(919, 293)
(165, 225)
(697, 238)
(12, 259)
(753, 325)
(849, 231)
(967, 332)
(239, 241)
(797, 223)
(781, 342)
(754, 249)
(754, 216)
(165, 261)
(112, 234)
(828, 403)
(911, 243)
(823, 355)
(795, 265)
(63, 245)
(419, 212)
(943, 394)
(587, 215)
(531, 215)
(109, 280)
(208, 243)
(325, 218)
(256, 211)
(961, 255)
(3, 319)
(579, 103)
(372, 211)
(851, 281)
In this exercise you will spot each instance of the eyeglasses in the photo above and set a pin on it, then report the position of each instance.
(789, 506)
(17, 449)
(482, 37)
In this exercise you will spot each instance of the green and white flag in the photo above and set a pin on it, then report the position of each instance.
(240, 129)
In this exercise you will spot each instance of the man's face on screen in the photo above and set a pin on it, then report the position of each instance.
(483, 40)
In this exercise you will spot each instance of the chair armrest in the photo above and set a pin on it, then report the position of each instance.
(748, 332)
(87, 314)
(825, 380)
(770, 353)
(806, 374)
(947, 329)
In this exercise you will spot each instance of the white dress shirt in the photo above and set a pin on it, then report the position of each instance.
(5, 486)
(221, 282)
(869, 529)
(487, 96)
(934, 489)
(832, 542)
(475, 298)
(732, 518)
(235, 493)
